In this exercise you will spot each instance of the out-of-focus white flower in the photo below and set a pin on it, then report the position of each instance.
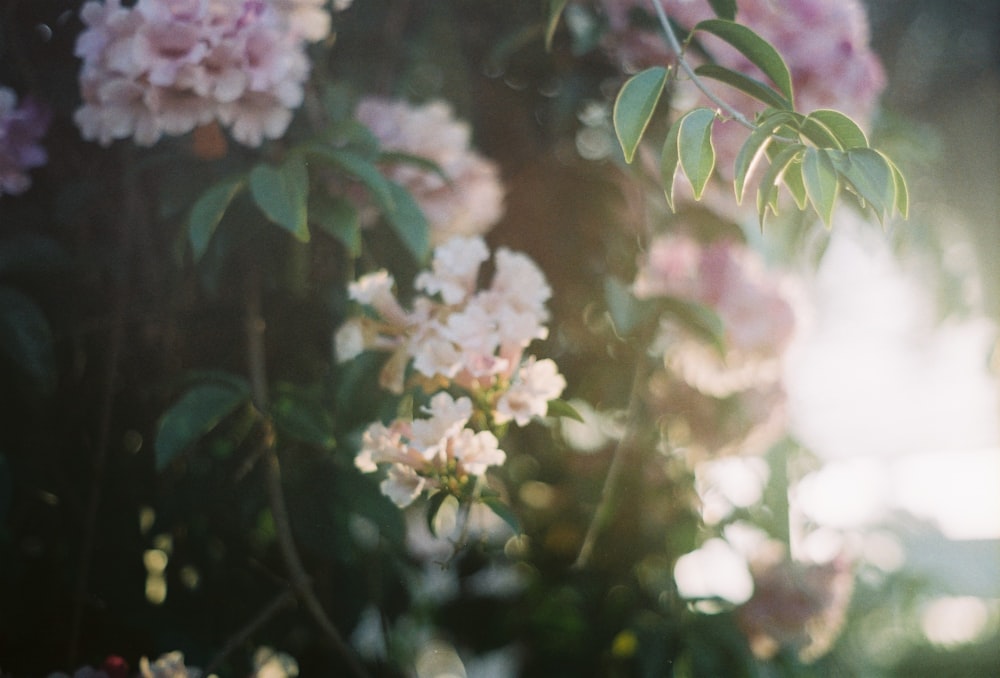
(454, 269)
(21, 127)
(535, 384)
(164, 67)
(170, 665)
(307, 18)
(468, 198)
(268, 663)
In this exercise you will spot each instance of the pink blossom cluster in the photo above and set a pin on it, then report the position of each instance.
(165, 67)
(466, 196)
(734, 401)
(21, 128)
(433, 453)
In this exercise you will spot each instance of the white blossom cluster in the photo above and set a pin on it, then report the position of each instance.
(456, 335)
(165, 67)
(466, 196)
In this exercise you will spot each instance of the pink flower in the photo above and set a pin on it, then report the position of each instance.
(21, 128)
(165, 67)
(468, 199)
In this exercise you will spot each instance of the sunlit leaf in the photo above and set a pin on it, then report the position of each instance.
(560, 408)
(669, 160)
(752, 86)
(755, 48)
(26, 346)
(197, 412)
(724, 9)
(870, 176)
(751, 151)
(282, 194)
(843, 128)
(556, 8)
(694, 144)
(634, 107)
(901, 202)
(208, 211)
(768, 190)
(821, 182)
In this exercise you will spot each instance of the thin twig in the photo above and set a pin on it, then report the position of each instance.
(678, 51)
(276, 497)
(609, 493)
(280, 602)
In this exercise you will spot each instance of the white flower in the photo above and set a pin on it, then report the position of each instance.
(375, 290)
(402, 485)
(270, 664)
(536, 383)
(454, 269)
(478, 451)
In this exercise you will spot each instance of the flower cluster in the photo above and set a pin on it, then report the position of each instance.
(21, 126)
(466, 196)
(736, 397)
(457, 336)
(169, 66)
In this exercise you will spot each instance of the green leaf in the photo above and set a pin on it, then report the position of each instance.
(359, 167)
(901, 201)
(299, 415)
(339, 218)
(560, 408)
(750, 152)
(869, 174)
(409, 222)
(418, 161)
(724, 9)
(795, 184)
(699, 319)
(819, 134)
(434, 504)
(625, 311)
(755, 48)
(768, 190)
(746, 84)
(197, 412)
(556, 8)
(669, 159)
(26, 341)
(208, 211)
(694, 144)
(503, 511)
(634, 107)
(821, 182)
(842, 127)
(24, 253)
(282, 194)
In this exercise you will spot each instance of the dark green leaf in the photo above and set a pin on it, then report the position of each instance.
(694, 144)
(434, 504)
(358, 167)
(301, 417)
(556, 8)
(26, 341)
(842, 127)
(197, 412)
(821, 182)
(208, 210)
(339, 218)
(752, 86)
(724, 9)
(755, 48)
(282, 194)
(768, 190)
(30, 254)
(409, 222)
(560, 408)
(634, 107)
(503, 511)
(669, 159)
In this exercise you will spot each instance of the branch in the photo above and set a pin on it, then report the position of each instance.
(276, 497)
(675, 47)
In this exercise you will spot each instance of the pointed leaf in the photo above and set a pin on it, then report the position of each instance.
(694, 144)
(409, 222)
(504, 512)
(634, 107)
(669, 160)
(560, 408)
(556, 8)
(359, 167)
(434, 504)
(846, 130)
(282, 193)
(768, 190)
(751, 151)
(208, 211)
(792, 178)
(26, 345)
(339, 218)
(196, 413)
(755, 48)
(724, 9)
(821, 182)
(870, 176)
(752, 86)
(901, 201)
(818, 133)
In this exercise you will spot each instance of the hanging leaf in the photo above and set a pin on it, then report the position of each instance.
(755, 145)
(434, 504)
(669, 160)
(842, 127)
(503, 511)
(282, 194)
(634, 107)
(339, 218)
(694, 144)
(298, 414)
(821, 182)
(26, 341)
(870, 176)
(208, 211)
(358, 167)
(556, 8)
(560, 408)
(767, 192)
(752, 86)
(197, 412)
(724, 9)
(755, 48)
(409, 222)
(901, 200)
